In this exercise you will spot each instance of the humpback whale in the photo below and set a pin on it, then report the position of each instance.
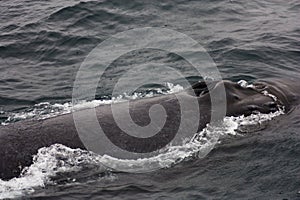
(21, 140)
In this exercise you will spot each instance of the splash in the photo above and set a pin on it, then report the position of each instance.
(48, 162)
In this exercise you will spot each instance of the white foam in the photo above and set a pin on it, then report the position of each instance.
(245, 84)
(47, 163)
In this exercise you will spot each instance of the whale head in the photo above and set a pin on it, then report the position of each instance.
(247, 100)
(239, 100)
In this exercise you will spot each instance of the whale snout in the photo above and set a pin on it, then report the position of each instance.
(247, 101)
(240, 100)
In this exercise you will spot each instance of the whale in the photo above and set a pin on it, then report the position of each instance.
(20, 141)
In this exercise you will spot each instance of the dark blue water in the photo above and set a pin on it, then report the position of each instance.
(43, 43)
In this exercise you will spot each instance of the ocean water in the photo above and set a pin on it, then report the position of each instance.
(43, 44)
